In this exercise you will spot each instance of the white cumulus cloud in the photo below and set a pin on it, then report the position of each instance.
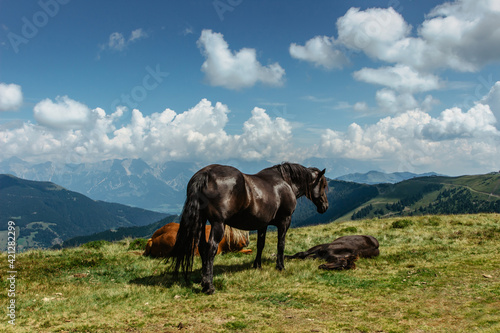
(453, 123)
(11, 97)
(413, 140)
(400, 78)
(493, 100)
(235, 70)
(373, 31)
(69, 131)
(64, 113)
(321, 51)
(463, 35)
(389, 101)
(264, 138)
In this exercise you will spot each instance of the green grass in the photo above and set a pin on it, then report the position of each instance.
(436, 274)
(401, 223)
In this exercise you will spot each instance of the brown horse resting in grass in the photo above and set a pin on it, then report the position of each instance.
(342, 252)
(225, 196)
(162, 242)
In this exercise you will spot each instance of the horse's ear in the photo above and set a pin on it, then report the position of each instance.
(321, 173)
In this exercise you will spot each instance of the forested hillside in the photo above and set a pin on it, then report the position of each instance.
(121, 233)
(47, 214)
(434, 195)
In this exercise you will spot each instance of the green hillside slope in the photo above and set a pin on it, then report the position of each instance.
(488, 184)
(47, 214)
(433, 195)
(121, 233)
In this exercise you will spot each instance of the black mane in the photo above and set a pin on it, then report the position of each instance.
(297, 174)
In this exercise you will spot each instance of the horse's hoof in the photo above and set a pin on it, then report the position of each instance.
(207, 287)
(208, 290)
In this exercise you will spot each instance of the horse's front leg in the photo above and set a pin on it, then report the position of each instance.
(208, 250)
(261, 241)
(282, 229)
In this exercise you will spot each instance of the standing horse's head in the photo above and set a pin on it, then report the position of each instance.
(318, 190)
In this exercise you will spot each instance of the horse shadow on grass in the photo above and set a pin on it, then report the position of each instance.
(166, 278)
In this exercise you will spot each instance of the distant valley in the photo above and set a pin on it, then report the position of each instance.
(46, 214)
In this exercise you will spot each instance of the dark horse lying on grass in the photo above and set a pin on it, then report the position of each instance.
(225, 196)
(342, 252)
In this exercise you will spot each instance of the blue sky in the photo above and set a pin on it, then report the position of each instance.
(398, 85)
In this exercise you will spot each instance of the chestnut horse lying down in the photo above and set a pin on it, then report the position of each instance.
(342, 252)
(161, 243)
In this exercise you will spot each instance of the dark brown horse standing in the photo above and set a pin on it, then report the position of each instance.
(225, 196)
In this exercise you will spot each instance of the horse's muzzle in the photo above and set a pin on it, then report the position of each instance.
(322, 208)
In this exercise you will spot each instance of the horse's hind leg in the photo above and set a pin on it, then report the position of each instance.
(208, 250)
(282, 229)
(261, 241)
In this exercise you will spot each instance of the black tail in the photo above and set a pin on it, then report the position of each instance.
(191, 227)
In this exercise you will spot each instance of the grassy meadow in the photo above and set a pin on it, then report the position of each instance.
(434, 274)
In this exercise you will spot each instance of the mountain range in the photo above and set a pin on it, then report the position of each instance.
(377, 177)
(130, 182)
(159, 187)
(46, 214)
